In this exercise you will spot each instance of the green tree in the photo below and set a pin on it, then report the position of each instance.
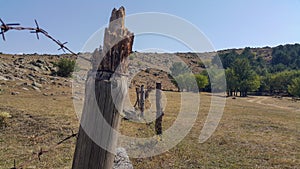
(287, 55)
(280, 81)
(191, 82)
(226, 58)
(252, 83)
(202, 81)
(65, 67)
(294, 87)
(232, 82)
(265, 82)
(217, 79)
(186, 82)
(247, 79)
(247, 54)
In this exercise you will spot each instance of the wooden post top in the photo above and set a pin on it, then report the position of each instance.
(117, 46)
(119, 16)
(158, 85)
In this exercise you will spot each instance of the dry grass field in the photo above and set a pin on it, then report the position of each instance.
(254, 132)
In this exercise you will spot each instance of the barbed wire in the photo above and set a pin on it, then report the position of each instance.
(37, 155)
(37, 30)
(5, 27)
(15, 26)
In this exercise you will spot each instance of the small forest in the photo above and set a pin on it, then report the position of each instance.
(252, 72)
(256, 71)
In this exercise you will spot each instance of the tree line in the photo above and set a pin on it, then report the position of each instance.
(249, 72)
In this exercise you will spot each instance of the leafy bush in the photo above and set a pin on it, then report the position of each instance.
(3, 118)
(202, 81)
(65, 67)
(139, 63)
(294, 88)
(201, 64)
(131, 56)
(190, 82)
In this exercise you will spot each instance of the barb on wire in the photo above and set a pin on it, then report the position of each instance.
(67, 138)
(38, 30)
(6, 27)
(37, 156)
(15, 26)
(62, 45)
(40, 153)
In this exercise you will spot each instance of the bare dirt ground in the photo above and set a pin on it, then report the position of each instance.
(280, 103)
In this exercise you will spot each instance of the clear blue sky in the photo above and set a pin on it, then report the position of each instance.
(226, 23)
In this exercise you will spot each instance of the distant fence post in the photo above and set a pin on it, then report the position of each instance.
(106, 88)
(137, 103)
(159, 110)
(142, 101)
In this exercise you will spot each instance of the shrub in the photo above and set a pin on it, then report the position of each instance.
(65, 67)
(131, 56)
(139, 63)
(294, 87)
(190, 82)
(202, 81)
(201, 64)
(3, 118)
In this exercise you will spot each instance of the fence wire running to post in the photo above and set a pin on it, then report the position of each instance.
(37, 155)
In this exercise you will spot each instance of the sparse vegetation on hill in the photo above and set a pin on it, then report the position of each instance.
(178, 68)
(264, 74)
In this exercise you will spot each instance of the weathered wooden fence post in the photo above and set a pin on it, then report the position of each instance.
(142, 101)
(106, 88)
(137, 103)
(159, 110)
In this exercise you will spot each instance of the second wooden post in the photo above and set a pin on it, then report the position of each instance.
(159, 110)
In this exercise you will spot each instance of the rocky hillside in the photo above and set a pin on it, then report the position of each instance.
(35, 72)
(31, 72)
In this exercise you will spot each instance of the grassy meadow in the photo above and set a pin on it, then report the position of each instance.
(254, 132)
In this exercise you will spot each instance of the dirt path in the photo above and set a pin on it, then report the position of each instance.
(260, 99)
